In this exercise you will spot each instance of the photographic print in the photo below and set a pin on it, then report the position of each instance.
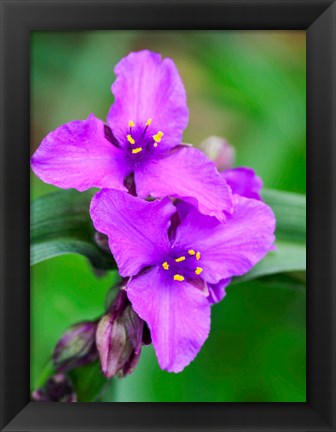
(168, 216)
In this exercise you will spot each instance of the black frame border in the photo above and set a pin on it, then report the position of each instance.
(18, 18)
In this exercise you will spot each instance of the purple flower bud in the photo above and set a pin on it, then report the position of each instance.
(76, 347)
(219, 151)
(102, 241)
(146, 336)
(58, 388)
(119, 338)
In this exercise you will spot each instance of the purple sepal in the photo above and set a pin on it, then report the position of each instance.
(119, 338)
(58, 388)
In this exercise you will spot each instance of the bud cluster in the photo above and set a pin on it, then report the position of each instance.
(115, 339)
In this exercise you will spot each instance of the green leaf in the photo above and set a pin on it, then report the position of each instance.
(287, 257)
(89, 382)
(290, 213)
(290, 246)
(61, 224)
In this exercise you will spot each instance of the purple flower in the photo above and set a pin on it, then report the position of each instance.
(179, 262)
(140, 146)
(244, 182)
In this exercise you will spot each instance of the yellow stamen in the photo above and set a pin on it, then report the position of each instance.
(182, 258)
(191, 252)
(198, 255)
(137, 150)
(165, 265)
(178, 277)
(131, 123)
(155, 144)
(130, 139)
(157, 137)
(148, 122)
(198, 270)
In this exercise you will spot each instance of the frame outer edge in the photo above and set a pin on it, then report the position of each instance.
(321, 188)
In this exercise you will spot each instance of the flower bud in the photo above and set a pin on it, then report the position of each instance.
(58, 388)
(119, 338)
(102, 241)
(76, 347)
(146, 336)
(219, 151)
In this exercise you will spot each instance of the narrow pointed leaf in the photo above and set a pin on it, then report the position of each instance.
(61, 224)
(290, 247)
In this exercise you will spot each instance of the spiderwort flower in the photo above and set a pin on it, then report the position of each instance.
(244, 182)
(179, 262)
(140, 143)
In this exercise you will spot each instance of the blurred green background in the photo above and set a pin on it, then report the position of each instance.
(248, 87)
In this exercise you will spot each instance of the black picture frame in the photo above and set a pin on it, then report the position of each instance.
(18, 18)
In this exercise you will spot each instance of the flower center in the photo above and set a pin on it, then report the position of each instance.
(183, 266)
(141, 137)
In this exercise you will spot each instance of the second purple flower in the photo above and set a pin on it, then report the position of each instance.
(179, 262)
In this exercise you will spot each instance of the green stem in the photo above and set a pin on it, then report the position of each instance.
(46, 373)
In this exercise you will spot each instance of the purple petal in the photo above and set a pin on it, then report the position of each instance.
(229, 248)
(137, 229)
(188, 174)
(77, 155)
(244, 181)
(148, 88)
(217, 291)
(177, 314)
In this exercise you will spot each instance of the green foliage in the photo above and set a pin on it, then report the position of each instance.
(290, 246)
(61, 224)
(290, 213)
(89, 382)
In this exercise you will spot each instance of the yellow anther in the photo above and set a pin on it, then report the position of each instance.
(198, 255)
(165, 265)
(137, 150)
(130, 139)
(182, 258)
(191, 252)
(198, 270)
(155, 144)
(178, 277)
(131, 123)
(157, 137)
(148, 122)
